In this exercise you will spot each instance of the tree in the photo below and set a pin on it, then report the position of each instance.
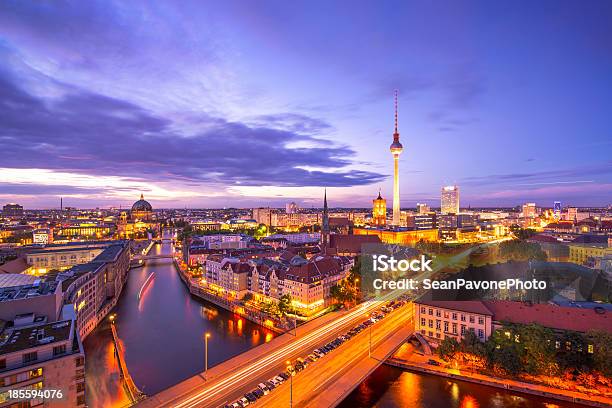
(521, 251)
(572, 351)
(343, 292)
(471, 344)
(602, 350)
(503, 350)
(538, 344)
(284, 304)
(524, 233)
(505, 359)
(447, 348)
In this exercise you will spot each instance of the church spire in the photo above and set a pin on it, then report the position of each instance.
(325, 225)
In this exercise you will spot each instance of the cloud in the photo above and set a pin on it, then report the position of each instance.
(86, 132)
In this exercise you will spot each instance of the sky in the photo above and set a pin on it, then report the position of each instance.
(236, 103)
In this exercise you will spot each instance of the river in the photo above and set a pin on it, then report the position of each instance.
(390, 387)
(162, 335)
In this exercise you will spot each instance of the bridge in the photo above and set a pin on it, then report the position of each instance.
(323, 383)
(150, 257)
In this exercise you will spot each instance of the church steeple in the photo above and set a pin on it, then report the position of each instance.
(325, 225)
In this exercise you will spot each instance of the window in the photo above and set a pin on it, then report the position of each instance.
(80, 387)
(438, 313)
(430, 324)
(462, 329)
(422, 309)
(57, 350)
(446, 327)
(454, 316)
(423, 322)
(438, 325)
(430, 311)
(454, 328)
(462, 317)
(590, 349)
(36, 373)
(480, 320)
(480, 333)
(28, 357)
(472, 320)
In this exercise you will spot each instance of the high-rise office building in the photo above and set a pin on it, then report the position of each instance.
(449, 200)
(263, 215)
(422, 208)
(12, 210)
(292, 208)
(529, 210)
(557, 209)
(396, 149)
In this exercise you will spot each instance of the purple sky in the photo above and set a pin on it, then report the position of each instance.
(213, 104)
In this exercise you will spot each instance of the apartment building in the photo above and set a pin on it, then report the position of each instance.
(36, 354)
(437, 320)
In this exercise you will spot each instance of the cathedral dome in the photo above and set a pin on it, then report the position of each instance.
(142, 205)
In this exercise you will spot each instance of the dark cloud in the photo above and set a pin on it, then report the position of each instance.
(94, 134)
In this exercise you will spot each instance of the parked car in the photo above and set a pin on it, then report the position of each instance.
(258, 392)
(433, 362)
(243, 401)
(284, 376)
(270, 385)
(250, 397)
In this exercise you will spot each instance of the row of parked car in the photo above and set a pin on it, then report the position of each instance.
(266, 387)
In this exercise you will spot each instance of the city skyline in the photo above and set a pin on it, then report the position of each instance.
(243, 107)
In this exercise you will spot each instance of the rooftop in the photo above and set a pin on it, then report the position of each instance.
(470, 306)
(552, 316)
(22, 338)
(27, 291)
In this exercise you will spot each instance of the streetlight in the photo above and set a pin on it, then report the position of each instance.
(206, 336)
(291, 372)
(112, 318)
(356, 281)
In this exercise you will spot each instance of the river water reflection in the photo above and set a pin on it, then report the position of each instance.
(390, 387)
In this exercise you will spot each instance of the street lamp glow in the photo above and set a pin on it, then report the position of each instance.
(206, 337)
